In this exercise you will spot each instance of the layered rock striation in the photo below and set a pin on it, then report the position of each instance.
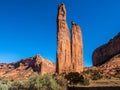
(77, 48)
(105, 52)
(69, 53)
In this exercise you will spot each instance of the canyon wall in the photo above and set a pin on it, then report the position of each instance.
(105, 52)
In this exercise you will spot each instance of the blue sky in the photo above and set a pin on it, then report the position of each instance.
(28, 27)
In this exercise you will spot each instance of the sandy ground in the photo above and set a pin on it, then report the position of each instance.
(103, 83)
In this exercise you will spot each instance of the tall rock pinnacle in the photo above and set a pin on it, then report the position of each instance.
(77, 48)
(69, 54)
(63, 42)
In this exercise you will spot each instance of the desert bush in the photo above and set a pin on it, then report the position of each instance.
(17, 85)
(85, 81)
(61, 81)
(50, 82)
(73, 77)
(46, 82)
(35, 82)
(89, 71)
(76, 78)
(5, 84)
(96, 75)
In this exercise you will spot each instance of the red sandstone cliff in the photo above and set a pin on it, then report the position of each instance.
(105, 52)
(26, 67)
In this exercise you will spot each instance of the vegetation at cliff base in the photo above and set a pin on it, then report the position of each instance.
(35, 82)
(76, 78)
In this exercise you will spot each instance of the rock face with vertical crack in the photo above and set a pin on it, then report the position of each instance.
(63, 42)
(77, 48)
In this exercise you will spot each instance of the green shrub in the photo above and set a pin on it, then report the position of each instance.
(5, 84)
(76, 78)
(62, 82)
(35, 82)
(50, 82)
(89, 71)
(96, 75)
(73, 77)
(16, 85)
(85, 81)
(4, 87)
(46, 82)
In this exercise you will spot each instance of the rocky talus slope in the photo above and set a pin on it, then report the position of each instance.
(112, 67)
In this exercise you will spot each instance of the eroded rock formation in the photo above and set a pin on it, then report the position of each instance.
(26, 67)
(63, 42)
(69, 56)
(77, 48)
(106, 52)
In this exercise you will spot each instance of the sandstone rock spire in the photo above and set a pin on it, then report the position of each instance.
(77, 48)
(63, 42)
